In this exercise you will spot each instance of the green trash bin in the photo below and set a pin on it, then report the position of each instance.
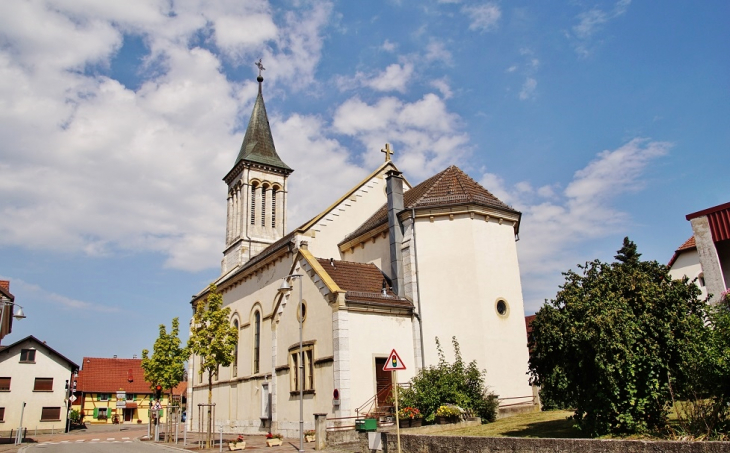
(366, 424)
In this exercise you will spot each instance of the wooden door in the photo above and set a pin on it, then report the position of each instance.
(383, 382)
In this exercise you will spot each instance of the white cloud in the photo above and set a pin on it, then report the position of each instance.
(389, 46)
(394, 78)
(528, 89)
(437, 51)
(556, 225)
(483, 17)
(591, 21)
(426, 136)
(90, 166)
(443, 86)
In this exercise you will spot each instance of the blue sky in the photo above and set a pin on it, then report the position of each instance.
(596, 119)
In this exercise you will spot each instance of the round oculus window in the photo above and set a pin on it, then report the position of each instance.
(502, 308)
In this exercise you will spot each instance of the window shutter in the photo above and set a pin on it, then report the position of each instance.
(96, 412)
(98, 397)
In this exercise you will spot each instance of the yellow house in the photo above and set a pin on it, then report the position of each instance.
(114, 391)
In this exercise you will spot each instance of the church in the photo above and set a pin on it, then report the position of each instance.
(387, 266)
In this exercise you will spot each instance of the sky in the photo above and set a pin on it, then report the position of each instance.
(118, 120)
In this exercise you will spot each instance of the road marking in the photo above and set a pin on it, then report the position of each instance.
(94, 440)
(110, 438)
(125, 438)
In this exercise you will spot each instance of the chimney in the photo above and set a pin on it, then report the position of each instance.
(394, 191)
(5, 284)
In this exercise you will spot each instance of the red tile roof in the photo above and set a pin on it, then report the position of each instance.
(363, 282)
(103, 375)
(450, 187)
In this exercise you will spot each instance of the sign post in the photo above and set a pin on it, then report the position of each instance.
(393, 364)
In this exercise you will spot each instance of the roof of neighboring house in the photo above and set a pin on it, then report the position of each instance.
(528, 324)
(109, 375)
(363, 282)
(5, 290)
(689, 244)
(447, 188)
(42, 344)
(719, 219)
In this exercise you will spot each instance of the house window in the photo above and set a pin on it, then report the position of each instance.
(235, 351)
(51, 414)
(101, 413)
(253, 205)
(4, 384)
(130, 396)
(43, 384)
(296, 371)
(103, 397)
(263, 206)
(502, 308)
(2, 414)
(27, 356)
(256, 341)
(273, 207)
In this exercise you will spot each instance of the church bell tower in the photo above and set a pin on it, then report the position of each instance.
(257, 189)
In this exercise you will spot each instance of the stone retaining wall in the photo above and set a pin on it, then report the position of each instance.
(411, 443)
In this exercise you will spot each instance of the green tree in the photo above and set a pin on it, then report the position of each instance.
(212, 338)
(450, 383)
(166, 366)
(615, 340)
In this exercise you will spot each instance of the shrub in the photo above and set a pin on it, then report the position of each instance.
(457, 383)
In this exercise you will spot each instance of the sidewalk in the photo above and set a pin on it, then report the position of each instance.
(125, 433)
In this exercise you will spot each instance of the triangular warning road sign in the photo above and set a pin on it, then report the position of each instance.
(394, 362)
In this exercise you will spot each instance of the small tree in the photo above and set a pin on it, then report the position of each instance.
(615, 340)
(446, 383)
(166, 366)
(212, 339)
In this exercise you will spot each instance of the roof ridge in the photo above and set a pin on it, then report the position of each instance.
(439, 177)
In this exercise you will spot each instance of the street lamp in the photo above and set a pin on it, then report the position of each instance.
(16, 314)
(285, 288)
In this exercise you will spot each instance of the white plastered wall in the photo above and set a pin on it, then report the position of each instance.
(374, 336)
(688, 263)
(466, 265)
(47, 365)
(347, 216)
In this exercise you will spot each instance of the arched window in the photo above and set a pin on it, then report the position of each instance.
(263, 205)
(273, 207)
(235, 351)
(256, 340)
(253, 204)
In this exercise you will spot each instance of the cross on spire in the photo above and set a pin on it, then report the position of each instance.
(260, 66)
(388, 152)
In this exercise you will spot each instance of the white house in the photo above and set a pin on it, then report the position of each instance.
(386, 266)
(34, 381)
(706, 255)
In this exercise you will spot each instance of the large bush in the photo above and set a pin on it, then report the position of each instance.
(614, 342)
(450, 383)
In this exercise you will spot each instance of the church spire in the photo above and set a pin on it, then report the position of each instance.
(258, 144)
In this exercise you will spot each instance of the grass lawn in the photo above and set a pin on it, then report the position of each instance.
(549, 424)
